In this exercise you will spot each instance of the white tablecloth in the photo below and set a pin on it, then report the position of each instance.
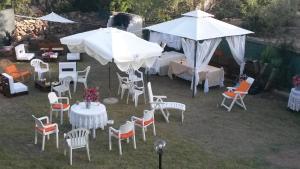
(92, 118)
(294, 100)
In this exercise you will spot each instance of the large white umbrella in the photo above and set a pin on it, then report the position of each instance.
(53, 17)
(125, 49)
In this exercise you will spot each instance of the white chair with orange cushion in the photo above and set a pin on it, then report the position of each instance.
(57, 105)
(157, 103)
(145, 121)
(75, 139)
(125, 131)
(45, 129)
(237, 94)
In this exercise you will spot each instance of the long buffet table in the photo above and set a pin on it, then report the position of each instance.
(213, 75)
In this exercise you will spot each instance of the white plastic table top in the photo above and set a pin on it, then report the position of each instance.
(294, 100)
(92, 118)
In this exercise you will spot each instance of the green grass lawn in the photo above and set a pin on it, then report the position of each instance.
(265, 136)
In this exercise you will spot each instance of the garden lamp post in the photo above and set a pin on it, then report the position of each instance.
(159, 146)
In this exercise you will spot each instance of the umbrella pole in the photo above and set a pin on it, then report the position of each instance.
(110, 99)
(194, 78)
(109, 86)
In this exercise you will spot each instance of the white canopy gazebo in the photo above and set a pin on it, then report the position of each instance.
(200, 26)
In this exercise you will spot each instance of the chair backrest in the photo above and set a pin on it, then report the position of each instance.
(126, 128)
(148, 115)
(67, 67)
(20, 50)
(119, 77)
(66, 81)
(10, 82)
(36, 63)
(52, 98)
(245, 84)
(78, 137)
(11, 69)
(38, 123)
(150, 94)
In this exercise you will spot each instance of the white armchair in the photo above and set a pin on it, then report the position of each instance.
(83, 75)
(124, 84)
(40, 68)
(75, 139)
(10, 88)
(63, 87)
(68, 69)
(21, 53)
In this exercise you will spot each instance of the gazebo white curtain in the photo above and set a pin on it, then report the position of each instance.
(237, 48)
(170, 40)
(205, 51)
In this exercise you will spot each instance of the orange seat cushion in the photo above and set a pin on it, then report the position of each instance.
(125, 135)
(58, 106)
(145, 122)
(243, 87)
(46, 129)
(14, 72)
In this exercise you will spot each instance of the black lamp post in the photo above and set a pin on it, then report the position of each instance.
(159, 146)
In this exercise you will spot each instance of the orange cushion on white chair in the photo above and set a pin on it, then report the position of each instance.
(58, 106)
(47, 128)
(145, 122)
(124, 135)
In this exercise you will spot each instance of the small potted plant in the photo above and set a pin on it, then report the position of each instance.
(296, 82)
(91, 95)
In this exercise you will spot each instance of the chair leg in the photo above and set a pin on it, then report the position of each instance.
(119, 89)
(144, 135)
(75, 84)
(57, 140)
(122, 93)
(85, 85)
(50, 115)
(120, 147)
(154, 131)
(136, 100)
(88, 152)
(109, 141)
(134, 143)
(232, 103)
(43, 143)
(127, 97)
(61, 117)
(70, 156)
(164, 114)
(35, 136)
(223, 101)
(70, 94)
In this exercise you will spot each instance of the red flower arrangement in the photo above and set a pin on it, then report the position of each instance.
(296, 81)
(91, 94)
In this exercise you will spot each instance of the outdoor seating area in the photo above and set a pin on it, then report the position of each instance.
(113, 98)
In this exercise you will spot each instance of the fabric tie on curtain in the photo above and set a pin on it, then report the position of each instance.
(237, 48)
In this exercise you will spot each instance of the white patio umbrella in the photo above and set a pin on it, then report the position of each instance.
(53, 17)
(125, 49)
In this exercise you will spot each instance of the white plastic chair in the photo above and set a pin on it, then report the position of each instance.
(57, 105)
(123, 84)
(12, 87)
(21, 53)
(157, 103)
(40, 68)
(237, 94)
(135, 91)
(64, 86)
(145, 121)
(83, 75)
(45, 129)
(68, 69)
(75, 139)
(125, 131)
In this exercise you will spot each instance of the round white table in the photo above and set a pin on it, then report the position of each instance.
(294, 100)
(92, 118)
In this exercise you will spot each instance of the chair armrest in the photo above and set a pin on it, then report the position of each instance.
(53, 125)
(240, 92)
(231, 88)
(112, 129)
(160, 97)
(134, 118)
(44, 118)
(64, 98)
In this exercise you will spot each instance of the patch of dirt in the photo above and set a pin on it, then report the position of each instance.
(289, 158)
